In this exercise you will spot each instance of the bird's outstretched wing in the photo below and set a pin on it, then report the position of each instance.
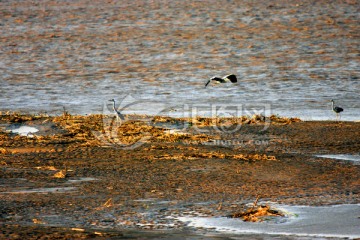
(232, 78)
(207, 83)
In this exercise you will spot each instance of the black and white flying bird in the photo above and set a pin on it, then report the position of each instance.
(228, 78)
(117, 113)
(336, 109)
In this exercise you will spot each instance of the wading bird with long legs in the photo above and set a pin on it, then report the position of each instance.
(117, 113)
(336, 109)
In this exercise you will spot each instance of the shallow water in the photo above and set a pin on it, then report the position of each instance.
(43, 190)
(291, 59)
(346, 157)
(82, 179)
(340, 221)
(24, 130)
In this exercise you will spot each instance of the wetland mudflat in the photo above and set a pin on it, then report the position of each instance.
(155, 185)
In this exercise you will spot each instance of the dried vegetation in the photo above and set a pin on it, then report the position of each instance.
(83, 129)
(257, 213)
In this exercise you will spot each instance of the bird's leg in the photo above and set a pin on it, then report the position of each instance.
(114, 135)
(109, 133)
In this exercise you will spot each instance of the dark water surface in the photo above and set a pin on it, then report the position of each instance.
(291, 58)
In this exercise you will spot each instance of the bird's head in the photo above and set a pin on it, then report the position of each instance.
(112, 100)
(332, 100)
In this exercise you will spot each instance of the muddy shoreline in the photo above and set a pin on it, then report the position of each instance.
(96, 177)
(66, 178)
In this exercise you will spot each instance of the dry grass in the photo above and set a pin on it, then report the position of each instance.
(60, 174)
(220, 121)
(257, 213)
(81, 129)
(214, 155)
(15, 117)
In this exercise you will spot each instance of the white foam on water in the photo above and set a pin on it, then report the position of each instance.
(341, 221)
(346, 157)
(25, 131)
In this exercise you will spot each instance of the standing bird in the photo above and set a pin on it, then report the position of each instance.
(229, 78)
(117, 113)
(336, 109)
